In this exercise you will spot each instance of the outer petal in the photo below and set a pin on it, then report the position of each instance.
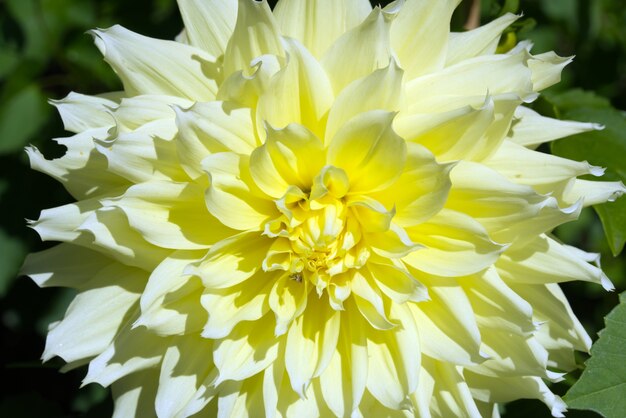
(465, 83)
(95, 316)
(381, 90)
(185, 366)
(480, 41)
(209, 24)
(311, 342)
(292, 156)
(134, 394)
(80, 112)
(152, 66)
(231, 261)
(447, 325)
(169, 303)
(299, 93)
(420, 35)
(232, 196)
(349, 48)
(510, 212)
(543, 260)
(82, 170)
(365, 145)
(343, 382)
(531, 129)
(255, 34)
(455, 245)
(505, 389)
(399, 352)
(228, 307)
(249, 349)
(318, 23)
(167, 214)
(51, 267)
(496, 305)
(542, 171)
(420, 191)
(131, 351)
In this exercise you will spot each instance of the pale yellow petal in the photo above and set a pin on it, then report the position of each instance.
(52, 267)
(80, 112)
(399, 352)
(291, 156)
(231, 261)
(318, 23)
(255, 34)
(367, 144)
(152, 66)
(132, 351)
(480, 41)
(134, 394)
(454, 245)
(207, 128)
(169, 301)
(96, 314)
(185, 366)
(419, 35)
(531, 129)
(420, 191)
(544, 260)
(311, 342)
(366, 48)
(232, 196)
(208, 24)
(343, 382)
(248, 350)
(299, 93)
(382, 90)
(450, 333)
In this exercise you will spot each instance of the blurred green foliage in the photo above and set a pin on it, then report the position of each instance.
(45, 53)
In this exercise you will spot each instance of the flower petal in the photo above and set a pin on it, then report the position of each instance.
(367, 144)
(255, 34)
(96, 314)
(299, 93)
(531, 129)
(208, 128)
(318, 23)
(343, 382)
(208, 25)
(152, 66)
(399, 351)
(232, 196)
(420, 35)
(167, 214)
(380, 90)
(291, 156)
(248, 350)
(231, 261)
(373, 32)
(480, 41)
(420, 191)
(311, 342)
(455, 245)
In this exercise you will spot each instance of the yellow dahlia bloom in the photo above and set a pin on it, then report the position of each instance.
(324, 210)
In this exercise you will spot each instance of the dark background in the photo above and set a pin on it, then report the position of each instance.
(45, 53)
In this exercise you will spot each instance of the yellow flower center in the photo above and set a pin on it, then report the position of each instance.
(317, 236)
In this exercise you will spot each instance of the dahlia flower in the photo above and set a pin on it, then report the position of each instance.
(321, 210)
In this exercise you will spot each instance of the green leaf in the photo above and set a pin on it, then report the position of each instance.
(21, 117)
(604, 148)
(602, 386)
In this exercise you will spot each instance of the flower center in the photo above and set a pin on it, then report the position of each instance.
(317, 236)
